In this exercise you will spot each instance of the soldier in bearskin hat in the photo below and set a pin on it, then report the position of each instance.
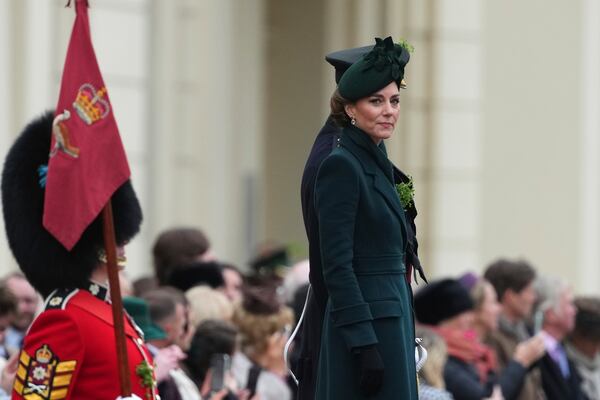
(69, 351)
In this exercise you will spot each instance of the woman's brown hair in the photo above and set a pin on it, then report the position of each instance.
(338, 104)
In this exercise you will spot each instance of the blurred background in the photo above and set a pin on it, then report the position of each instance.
(219, 101)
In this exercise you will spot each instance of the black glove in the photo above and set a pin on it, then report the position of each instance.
(371, 369)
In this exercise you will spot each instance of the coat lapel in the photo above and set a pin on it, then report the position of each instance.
(369, 157)
(390, 196)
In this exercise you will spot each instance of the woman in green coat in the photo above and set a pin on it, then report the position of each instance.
(368, 343)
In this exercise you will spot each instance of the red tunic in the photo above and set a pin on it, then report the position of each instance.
(70, 352)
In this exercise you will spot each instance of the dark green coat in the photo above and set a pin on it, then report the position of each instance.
(363, 240)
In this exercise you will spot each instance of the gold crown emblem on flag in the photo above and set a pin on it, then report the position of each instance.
(90, 105)
(43, 354)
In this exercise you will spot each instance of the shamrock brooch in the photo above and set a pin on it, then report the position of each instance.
(406, 193)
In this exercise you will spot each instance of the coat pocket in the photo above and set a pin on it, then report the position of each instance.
(386, 309)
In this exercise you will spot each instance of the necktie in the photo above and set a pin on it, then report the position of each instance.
(560, 358)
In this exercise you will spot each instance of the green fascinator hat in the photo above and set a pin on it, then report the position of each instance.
(377, 69)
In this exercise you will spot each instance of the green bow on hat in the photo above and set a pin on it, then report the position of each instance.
(377, 69)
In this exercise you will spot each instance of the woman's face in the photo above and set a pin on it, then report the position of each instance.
(377, 114)
(488, 312)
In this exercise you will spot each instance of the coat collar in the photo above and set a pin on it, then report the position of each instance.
(374, 161)
(101, 309)
(358, 139)
(98, 290)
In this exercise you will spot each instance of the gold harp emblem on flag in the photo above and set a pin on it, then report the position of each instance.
(62, 139)
(90, 105)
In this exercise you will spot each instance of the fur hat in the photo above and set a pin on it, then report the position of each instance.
(44, 261)
(441, 300)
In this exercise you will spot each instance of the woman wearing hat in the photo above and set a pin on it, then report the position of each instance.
(470, 373)
(367, 348)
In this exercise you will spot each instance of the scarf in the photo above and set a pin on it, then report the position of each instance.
(465, 346)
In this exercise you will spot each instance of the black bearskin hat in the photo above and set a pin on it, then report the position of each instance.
(44, 261)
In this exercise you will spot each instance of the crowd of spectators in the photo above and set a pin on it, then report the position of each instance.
(508, 334)
(219, 333)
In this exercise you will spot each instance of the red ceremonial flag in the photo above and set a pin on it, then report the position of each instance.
(87, 160)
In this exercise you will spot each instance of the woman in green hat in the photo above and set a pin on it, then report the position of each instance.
(368, 343)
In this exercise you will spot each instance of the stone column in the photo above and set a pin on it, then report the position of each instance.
(588, 273)
(7, 110)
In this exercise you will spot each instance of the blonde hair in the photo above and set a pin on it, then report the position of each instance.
(207, 303)
(256, 329)
(433, 370)
(478, 293)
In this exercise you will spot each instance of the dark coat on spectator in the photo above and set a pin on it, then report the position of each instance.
(556, 386)
(463, 381)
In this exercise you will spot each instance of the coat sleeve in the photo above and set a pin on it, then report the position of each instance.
(511, 380)
(50, 359)
(336, 199)
(463, 382)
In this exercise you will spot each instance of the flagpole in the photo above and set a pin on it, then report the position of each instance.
(110, 246)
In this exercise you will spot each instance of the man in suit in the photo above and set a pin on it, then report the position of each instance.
(560, 378)
(310, 338)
